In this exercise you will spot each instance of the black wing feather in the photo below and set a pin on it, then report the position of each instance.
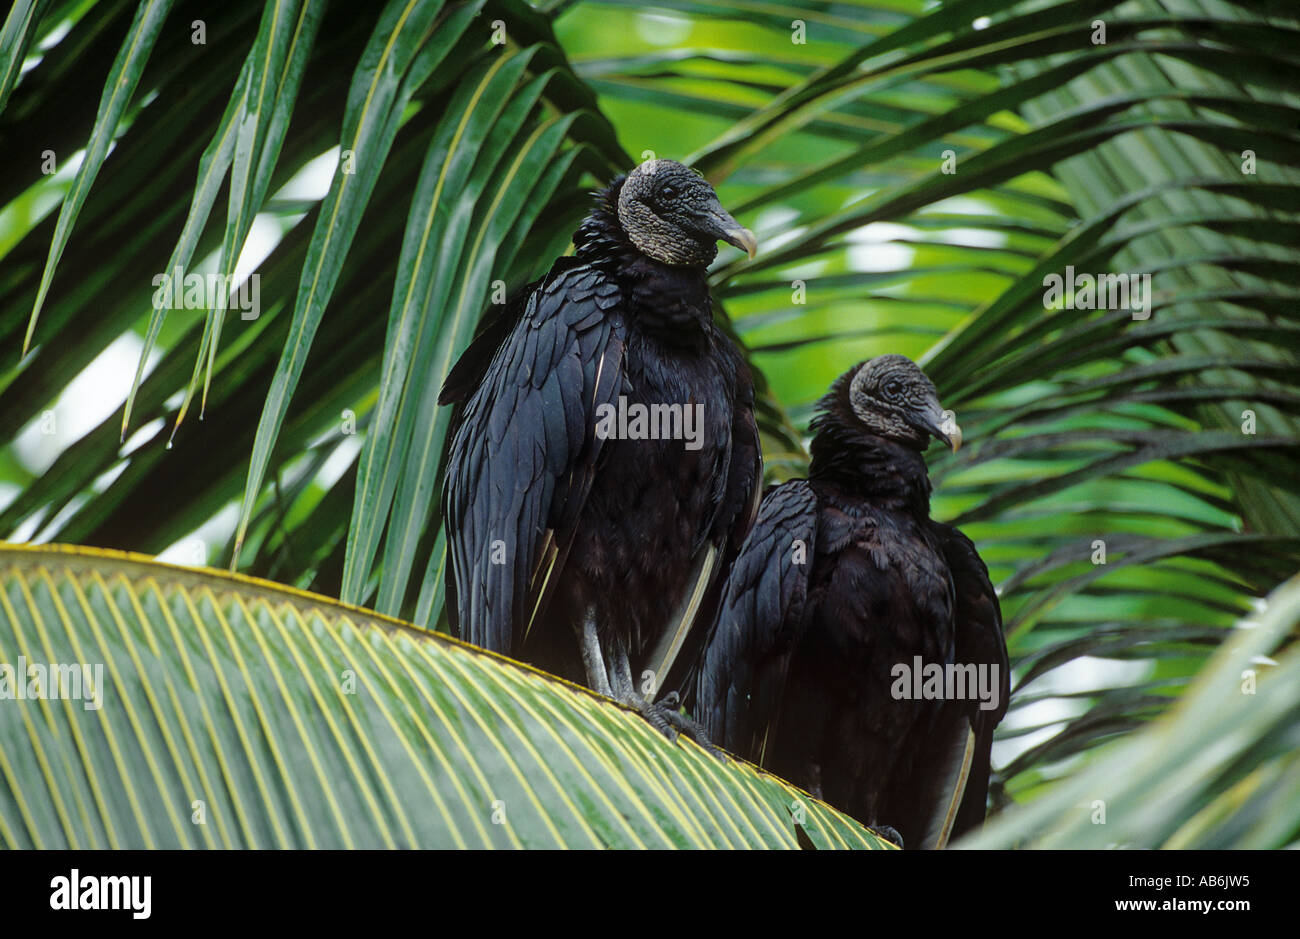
(523, 454)
(979, 639)
(737, 494)
(759, 624)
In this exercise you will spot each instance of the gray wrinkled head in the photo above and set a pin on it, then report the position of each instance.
(671, 214)
(895, 400)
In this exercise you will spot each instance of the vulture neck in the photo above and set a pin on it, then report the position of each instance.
(600, 239)
(870, 468)
(667, 301)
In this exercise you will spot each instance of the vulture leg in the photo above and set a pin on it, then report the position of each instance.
(592, 660)
(620, 671)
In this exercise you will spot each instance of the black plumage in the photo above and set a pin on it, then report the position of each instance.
(586, 553)
(844, 579)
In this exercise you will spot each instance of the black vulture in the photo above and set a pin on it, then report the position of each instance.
(605, 465)
(858, 648)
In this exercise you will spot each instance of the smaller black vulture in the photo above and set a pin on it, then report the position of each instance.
(604, 463)
(858, 650)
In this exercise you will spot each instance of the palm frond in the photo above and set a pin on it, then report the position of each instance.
(915, 173)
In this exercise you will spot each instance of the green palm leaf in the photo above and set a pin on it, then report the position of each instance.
(1159, 789)
(914, 172)
(235, 713)
(118, 89)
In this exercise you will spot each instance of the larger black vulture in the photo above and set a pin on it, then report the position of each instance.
(858, 650)
(605, 464)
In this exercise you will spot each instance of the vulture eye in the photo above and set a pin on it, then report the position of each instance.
(668, 192)
(893, 388)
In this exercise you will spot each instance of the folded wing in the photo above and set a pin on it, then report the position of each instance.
(761, 619)
(524, 453)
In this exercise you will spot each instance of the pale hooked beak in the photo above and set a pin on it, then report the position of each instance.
(954, 436)
(718, 223)
(743, 239)
(943, 425)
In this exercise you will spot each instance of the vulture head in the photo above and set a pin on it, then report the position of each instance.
(671, 213)
(892, 398)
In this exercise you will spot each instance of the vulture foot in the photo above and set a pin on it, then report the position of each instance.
(887, 832)
(666, 717)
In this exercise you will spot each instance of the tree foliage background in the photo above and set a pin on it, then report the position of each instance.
(913, 170)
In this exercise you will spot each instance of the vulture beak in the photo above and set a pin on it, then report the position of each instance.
(718, 223)
(743, 239)
(954, 437)
(939, 424)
